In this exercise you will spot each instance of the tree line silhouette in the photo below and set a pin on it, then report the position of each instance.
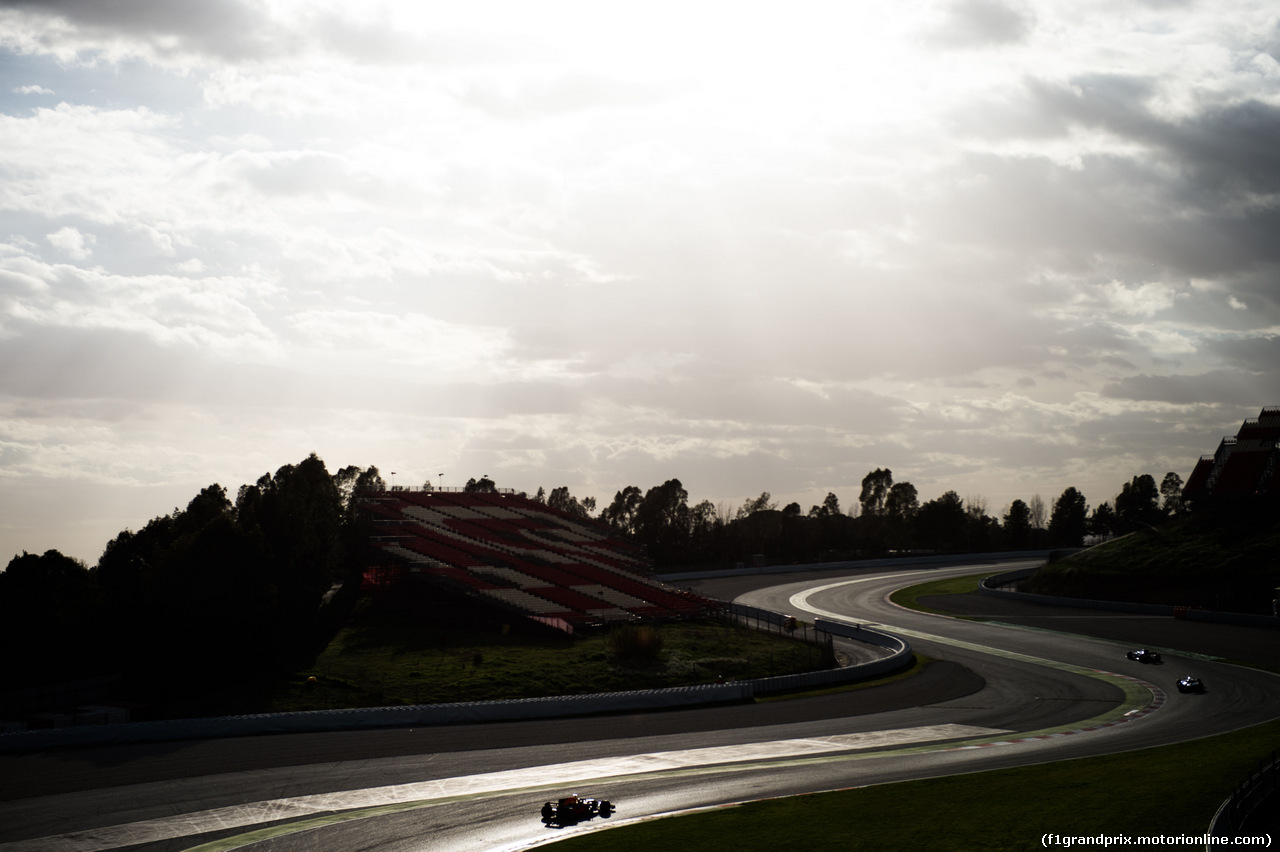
(239, 592)
(217, 593)
(887, 518)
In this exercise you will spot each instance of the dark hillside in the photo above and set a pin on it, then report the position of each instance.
(1223, 557)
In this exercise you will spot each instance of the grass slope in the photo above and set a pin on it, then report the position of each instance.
(910, 596)
(1216, 559)
(393, 658)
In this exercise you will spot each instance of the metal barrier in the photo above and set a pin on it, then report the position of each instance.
(482, 711)
(1245, 812)
(992, 586)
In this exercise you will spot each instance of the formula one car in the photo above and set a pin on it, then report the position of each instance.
(1191, 684)
(1142, 655)
(572, 809)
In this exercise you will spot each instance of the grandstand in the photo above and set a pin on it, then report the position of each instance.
(1244, 465)
(508, 553)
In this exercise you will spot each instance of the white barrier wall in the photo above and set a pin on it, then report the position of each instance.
(471, 712)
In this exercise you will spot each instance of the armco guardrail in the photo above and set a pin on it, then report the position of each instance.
(900, 656)
(906, 561)
(469, 712)
(376, 717)
(1245, 812)
(989, 587)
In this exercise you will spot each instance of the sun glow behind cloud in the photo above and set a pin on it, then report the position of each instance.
(999, 247)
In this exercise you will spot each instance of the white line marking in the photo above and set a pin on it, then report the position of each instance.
(255, 813)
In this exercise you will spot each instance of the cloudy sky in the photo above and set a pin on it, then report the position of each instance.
(1001, 248)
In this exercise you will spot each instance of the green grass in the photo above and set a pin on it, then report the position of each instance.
(910, 596)
(1217, 559)
(1167, 790)
(383, 659)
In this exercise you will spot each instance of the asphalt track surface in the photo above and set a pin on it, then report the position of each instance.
(1025, 688)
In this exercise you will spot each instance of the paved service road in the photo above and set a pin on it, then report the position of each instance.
(1005, 696)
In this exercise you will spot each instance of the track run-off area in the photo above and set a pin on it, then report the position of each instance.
(1000, 695)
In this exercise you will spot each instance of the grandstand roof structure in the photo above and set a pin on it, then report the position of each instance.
(1244, 465)
(514, 554)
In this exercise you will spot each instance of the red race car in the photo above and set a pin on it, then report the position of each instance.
(573, 809)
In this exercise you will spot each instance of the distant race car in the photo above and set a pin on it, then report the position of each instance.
(573, 809)
(1191, 684)
(1142, 655)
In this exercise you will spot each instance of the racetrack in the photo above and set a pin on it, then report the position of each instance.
(1007, 696)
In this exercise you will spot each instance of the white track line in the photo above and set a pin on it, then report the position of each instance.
(562, 774)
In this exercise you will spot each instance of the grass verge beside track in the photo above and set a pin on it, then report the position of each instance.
(384, 659)
(1169, 790)
(910, 596)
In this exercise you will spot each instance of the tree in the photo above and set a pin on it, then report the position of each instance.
(228, 592)
(704, 517)
(1171, 494)
(829, 509)
(1103, 520)
(975, 506)
(662, 520)
(50, 620)
(1017, 525)
(902, 502)
(483, 485)
(706, 531)
(293, 541)
(982, 531)
(1138, 505)
(875, 491)
(1039, 515)
(940, 524)
(370, 480)
(1067, 523)
(900, 508)
(760, 504)
(563, 501)
(345, 481)
(621, 513)
(210, 504)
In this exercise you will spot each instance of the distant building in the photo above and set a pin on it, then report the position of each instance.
(1246, 465)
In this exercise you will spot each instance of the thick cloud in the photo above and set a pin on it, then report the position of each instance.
(1000, 248)
(238, 31)
(229, 29)
(1194, 194)
(1223, 387)
(973, 24)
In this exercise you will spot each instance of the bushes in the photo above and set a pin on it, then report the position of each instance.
(635, 643)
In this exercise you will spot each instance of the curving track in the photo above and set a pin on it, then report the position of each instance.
(1042, 696)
